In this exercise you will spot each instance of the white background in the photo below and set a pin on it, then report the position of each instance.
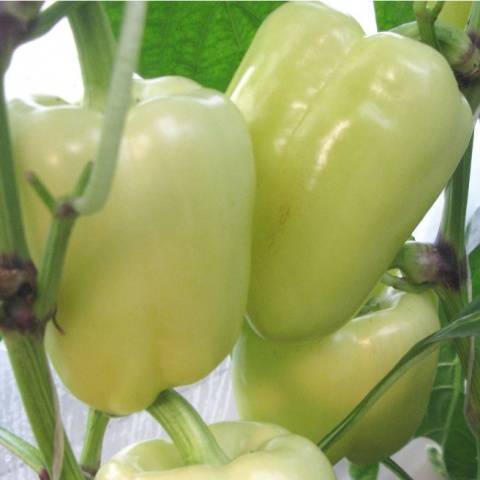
(50, 66)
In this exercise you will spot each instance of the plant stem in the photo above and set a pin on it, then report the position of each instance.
(30, 455)
(473, 25)
(49, 17)
(426, 20)
(396, 469)
(12, 235)
(118, 102)
(35, 384)
(52, 266)
(192, 437)
(452, 233)
(42, 191)
(91, 456)
(96, 49)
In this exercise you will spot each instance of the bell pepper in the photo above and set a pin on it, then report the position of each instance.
(455, 13)
(354, 138)
(155, 285)
(309, 388)
(256, 452)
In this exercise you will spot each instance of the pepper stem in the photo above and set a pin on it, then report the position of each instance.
(96, 50)
(35, 384)
(188, 431)
(90, 458)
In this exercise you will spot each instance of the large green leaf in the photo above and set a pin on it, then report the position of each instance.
(445, 421)
(390, 14)
(204, 41)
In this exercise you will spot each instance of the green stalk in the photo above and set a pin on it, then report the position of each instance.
(91, 456)
(426, 20)
(192, 437)
(452, 233)
(395, 468)
(49, 17)
(35, 384)
(118, 102)
(52, 266)
(30, 455)
(12, 235)
(96, 49)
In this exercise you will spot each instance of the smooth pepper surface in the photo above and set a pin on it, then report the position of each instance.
(257, 452)
(354, 138)
(310, 387)
(155, 285)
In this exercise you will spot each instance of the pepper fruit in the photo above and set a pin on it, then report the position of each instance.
(310, 387)
(455, 13)
(354, 138)
(257, 452)
(155, 285)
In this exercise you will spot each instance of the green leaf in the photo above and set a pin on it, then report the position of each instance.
(391, 14)
(29, 454)
(204, 41)
(445, 421)
(363, 472)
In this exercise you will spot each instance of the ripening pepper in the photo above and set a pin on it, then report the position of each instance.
(310, 387)
(354, 138)
(256, 452)
(155, 285)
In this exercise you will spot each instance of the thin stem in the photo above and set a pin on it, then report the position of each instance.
(473, 25)
(452, 228)
(47, 19)
(119, 99)
(30, 455)
(53, 258)
(42, 191)
(452, 232)
(35, 384)
(395, 468)
(91, 456)
(426, 20)
(51, 269)
(192, 437)
(12, 235)
(96, 48)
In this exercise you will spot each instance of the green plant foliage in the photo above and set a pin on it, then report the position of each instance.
(445, 421)
(204, 41)
(391, 14)
(363, 472)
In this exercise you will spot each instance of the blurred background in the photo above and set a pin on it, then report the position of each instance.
(50, 66)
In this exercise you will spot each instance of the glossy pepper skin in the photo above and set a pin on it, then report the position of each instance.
(310, 387)
(354, 138)
(257, 452)
(155, 285)
(455, 13)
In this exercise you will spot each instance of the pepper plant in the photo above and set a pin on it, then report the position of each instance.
(164, 169)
